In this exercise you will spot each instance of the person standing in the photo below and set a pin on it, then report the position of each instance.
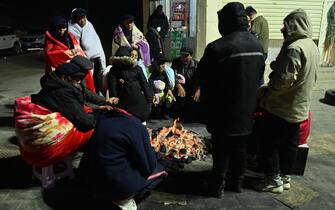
(286, 101)
(163, 22)
(260, 26)
(330, 37)
(237, 58)
(61, 46)
(128, 83)
(155, 40)
(127, 34)
(90, 42)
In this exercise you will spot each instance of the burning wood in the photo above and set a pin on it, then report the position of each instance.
(177, 143)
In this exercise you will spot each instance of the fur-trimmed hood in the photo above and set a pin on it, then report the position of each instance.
(124, 61)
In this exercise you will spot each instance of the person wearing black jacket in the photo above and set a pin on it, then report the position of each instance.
(120, 165)
(229, 70)
(127, 82)
(63, 91)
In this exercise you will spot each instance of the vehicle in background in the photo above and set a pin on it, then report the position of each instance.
(9, 40)
(33, 39)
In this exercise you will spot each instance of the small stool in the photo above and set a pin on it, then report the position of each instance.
(49, 174)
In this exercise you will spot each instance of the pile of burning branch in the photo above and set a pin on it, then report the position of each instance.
(176, 143)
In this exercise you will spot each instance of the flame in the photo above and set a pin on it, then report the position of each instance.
(178, 141)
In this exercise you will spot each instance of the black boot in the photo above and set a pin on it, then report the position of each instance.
(234, 186)
(216, 186)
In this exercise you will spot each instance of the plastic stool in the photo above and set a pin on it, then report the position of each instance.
(49, 174)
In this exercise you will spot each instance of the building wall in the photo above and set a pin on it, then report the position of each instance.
(274, 11)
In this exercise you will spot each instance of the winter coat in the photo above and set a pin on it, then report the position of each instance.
(189, 72)
(57, 53)
(134, 92)
(120, 157)
(155, 43)
(59, 96)
(228, 73)
(294, 71)
(162, 21)
(261, 27)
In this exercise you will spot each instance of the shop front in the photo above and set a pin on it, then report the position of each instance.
(182, 16)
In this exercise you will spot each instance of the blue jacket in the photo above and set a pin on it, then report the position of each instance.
(121, 157)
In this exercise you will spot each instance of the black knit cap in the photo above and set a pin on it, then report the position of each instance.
(79, 12)
(58, 22)
(70, 69)
(123, 51)
(83, 62)
(186, 50)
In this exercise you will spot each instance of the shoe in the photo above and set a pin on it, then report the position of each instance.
(286, 182)
(216, 186)
(272, 184)
(142, 196)
(128, 204)
(234, 186)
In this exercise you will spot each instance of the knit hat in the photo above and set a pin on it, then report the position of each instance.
(58, 22)
(78, 12)
(83, 62)
(186, 50)
(70, 69)
(123, 51)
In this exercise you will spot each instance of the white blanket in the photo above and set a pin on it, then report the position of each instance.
(88, 40)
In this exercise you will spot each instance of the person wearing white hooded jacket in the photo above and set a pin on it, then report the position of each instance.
(89, 40)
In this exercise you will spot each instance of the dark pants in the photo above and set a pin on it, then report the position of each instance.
(278, 144)
(97, 74)
(229, 152)
(261, 75)
(186, 109)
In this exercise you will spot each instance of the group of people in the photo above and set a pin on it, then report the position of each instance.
(238, 61)
(119, 161)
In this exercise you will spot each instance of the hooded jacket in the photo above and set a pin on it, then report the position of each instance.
(228, 73)
(134, 92)
(59, 96)
(294, 71)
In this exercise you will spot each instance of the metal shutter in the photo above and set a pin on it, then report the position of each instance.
(275, 11)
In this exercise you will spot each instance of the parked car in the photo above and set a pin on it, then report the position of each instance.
(34, 38)
(9, 40)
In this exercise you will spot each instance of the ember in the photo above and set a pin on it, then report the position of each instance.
(176, 143)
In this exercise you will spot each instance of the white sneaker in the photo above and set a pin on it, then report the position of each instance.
(128, 204)
(286, 182)
(272, 184)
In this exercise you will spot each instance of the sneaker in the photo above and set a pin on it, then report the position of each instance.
(272, 184)
(128, 204)
(286, 182)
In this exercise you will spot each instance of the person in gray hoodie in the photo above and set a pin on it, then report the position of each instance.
(286, 101)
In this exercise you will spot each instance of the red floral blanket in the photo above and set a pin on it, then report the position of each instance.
(45, 137)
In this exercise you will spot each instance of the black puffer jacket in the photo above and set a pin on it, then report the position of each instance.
(128, 83)
(228, 74)
(59, 96)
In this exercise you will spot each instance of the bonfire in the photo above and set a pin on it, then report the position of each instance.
(177, 143)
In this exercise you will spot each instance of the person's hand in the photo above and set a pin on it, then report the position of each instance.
(169, 93)
(134, 46)
(105, 107)
(196, 96)
(112, 101)
(181, 90)
(74, 52)
(121, 81)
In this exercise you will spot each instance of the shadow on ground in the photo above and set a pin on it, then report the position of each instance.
(6, 122)
(16, 173)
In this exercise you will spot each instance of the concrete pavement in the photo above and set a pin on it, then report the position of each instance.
(19, 76)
